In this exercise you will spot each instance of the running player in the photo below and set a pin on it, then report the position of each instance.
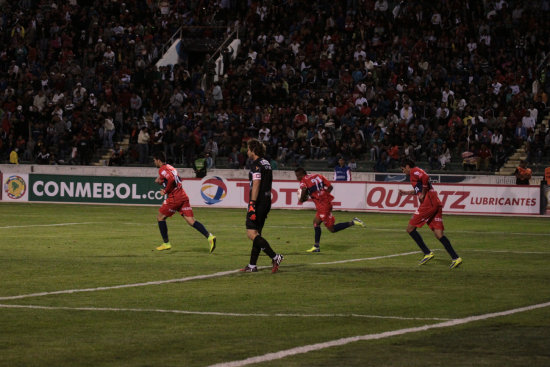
(176, 201)
(319, 189)
(430, 212)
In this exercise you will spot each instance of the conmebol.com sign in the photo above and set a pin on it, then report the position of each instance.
(94, 189)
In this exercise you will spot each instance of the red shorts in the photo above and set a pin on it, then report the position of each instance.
(324, 213)
(432, 215)
(176, 204)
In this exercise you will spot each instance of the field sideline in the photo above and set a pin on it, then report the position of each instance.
(82, 286)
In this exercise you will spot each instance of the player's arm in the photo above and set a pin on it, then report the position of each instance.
(425, 186)
(170, 184)
(303, 195)
(406, 192)
(327, 185)
(254, 192)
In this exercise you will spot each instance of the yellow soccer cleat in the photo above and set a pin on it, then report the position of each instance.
(164, 246)
(358, 222)
(426, 258)
(212, 242)
(314, 249)
(455, 263)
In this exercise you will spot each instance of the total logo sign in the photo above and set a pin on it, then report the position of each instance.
(213, 190)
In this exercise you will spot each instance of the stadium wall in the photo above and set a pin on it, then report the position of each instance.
(477, 195)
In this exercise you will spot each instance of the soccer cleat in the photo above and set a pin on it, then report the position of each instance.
(358, 222)
(455, 263)
(276, 262)
(426, 258)
(314, 249)
(212, 242)
(249, 269)
(164, 246)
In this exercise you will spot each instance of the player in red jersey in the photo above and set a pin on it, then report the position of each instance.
(318, 188)
(430, 212)
(176, 201)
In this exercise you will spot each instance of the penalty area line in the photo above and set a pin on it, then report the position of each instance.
(213, 313)
(388, 334)
(179, 280)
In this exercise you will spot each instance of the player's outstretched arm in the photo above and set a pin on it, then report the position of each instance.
(406, 192)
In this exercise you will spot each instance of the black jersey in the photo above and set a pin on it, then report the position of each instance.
(261, 170)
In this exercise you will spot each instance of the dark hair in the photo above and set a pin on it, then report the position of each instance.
(256, 147)
(300, 170)
(160, 156)
(408, 162)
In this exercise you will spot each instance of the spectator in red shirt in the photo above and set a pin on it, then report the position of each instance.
(485, 156)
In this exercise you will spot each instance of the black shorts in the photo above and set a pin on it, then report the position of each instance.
(261, 216)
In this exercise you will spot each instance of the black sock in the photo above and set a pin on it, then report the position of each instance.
(163, 230)
(340, 226)
(419, 241)
(261, 243)
(254, 254)
(199, 227)
(317, 230)
(445, 241)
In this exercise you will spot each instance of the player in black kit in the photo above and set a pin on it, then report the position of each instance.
(260, 177)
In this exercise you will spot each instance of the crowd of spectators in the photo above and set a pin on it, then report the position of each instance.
(356, 79)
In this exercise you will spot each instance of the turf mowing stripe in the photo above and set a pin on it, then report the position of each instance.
(180, 280)
(211, 313)
(338, 342)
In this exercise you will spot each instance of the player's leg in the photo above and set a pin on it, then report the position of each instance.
(411, 230)
(437, 227)
(187, 213)
(252, 234)
(317, 234)
(253, 231)
(163, 228)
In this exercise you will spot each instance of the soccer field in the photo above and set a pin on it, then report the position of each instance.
(83, 286)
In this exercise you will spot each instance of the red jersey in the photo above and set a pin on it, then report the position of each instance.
(316, 186)
(420, 179)
(172, 181)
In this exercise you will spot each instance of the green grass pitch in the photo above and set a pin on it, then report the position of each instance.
(81, 285)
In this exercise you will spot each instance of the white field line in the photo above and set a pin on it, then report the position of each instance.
(179, 280)
(338, 342)
(47, 225)
(304, 227)
(69, 291)
(215, 313)
(366, 258)
(507, 251)
(397, 229)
